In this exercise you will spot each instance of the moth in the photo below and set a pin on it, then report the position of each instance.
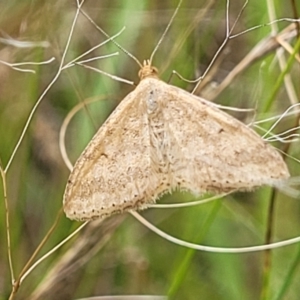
(161, 138)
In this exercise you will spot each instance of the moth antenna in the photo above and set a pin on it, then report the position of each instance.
(112, 39)
(165, 32)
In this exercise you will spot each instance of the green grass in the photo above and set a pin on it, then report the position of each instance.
(122, 256)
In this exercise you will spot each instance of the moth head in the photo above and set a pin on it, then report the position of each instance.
(148, 70)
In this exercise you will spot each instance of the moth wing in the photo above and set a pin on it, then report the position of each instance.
(114, 172)
(211, 151)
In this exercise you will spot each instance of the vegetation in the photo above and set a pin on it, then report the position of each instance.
(119, 256)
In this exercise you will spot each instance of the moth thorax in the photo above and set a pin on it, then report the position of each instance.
(151, 102)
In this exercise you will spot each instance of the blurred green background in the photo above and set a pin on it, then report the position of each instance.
(120, 256)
